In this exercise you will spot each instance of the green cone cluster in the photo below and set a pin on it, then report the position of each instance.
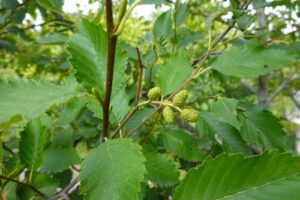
(186, 114)
(176, 105)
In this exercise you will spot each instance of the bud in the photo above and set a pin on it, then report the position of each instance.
(180, 98)
(189, 115)
(153, 93)
(168, 115)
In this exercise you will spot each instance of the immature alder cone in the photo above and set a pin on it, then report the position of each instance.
(189, 115)
(180, 98)
(153, 93)
(168, 115)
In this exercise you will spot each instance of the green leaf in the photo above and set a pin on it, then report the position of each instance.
(19, 15)
(152, 2)
(113, 171)
(58, 3)
(71, 111)
(59, 158)
(49, 5)
(88, 48)
(10, 4)
(225, 110)
(7, 45)
(163, 26)
(30, 98)
(182, 144)
(137, 118)
(251, 60)
(45, 183)
(55, 38)
(268, 176)
(177, 69)
(181, 13)
(94, 105)
(120, 105)
(225, 134)
(31, 145)
(160, 170)
(245, 21)
(261, 128)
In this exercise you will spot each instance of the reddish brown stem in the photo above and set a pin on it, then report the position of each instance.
(111, 49)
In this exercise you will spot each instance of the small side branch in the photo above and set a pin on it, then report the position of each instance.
(7, 149)
(140, 77)
(31, 187)
(63, 193)
(248, 87)
(185, 125)
(283, 86)
(292, 96)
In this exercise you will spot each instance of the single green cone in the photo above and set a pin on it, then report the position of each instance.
(189, 115)
(168, 115)
(153, 93)
(180, 98)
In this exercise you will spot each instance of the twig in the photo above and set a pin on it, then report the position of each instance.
(125, 17)
(63, 193)
(282, 86)
(185, 125)
(124, 121)
(25, 185)
(297, 104)
(41, 24)
(248, 87)
(111, 49)
(285, 84)
(140, 77)
(7, 149)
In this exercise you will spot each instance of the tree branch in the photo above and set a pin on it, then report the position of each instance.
(262, 91)
(25, 185)
(63, 193)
